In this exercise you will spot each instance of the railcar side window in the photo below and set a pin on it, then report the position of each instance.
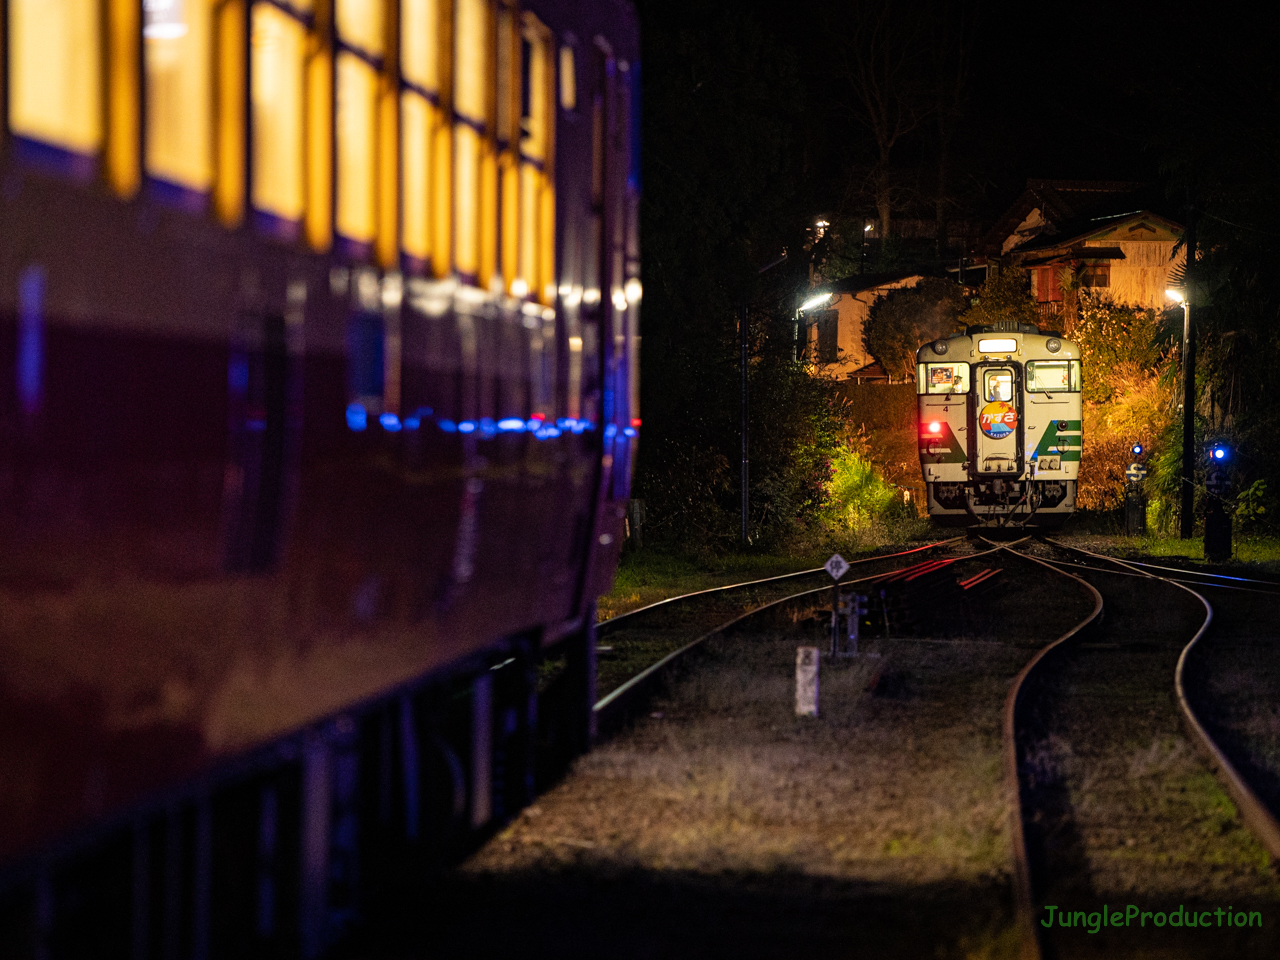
(420, 122)
(360, 31)
(507, 131)
(536, 268)
(471, 107)
(277, 48)
(55, 73)
(1051, 376)
(944, 378)
(179, 82)
(998, 385)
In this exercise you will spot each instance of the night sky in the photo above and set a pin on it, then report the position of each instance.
(1059, 91)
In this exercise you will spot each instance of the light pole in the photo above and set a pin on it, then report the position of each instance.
(1186, 515)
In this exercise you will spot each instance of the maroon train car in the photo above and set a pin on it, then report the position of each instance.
(318, 331)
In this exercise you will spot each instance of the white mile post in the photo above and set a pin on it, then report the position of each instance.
(807, 681)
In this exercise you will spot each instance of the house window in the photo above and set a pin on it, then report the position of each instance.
(828, 325)
(1096, 275)
(1048, 287)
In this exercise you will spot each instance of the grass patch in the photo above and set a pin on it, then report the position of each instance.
(649, 575)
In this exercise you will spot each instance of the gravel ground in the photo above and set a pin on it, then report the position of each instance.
(1128, 811)
(1234, 686)
(722, 825)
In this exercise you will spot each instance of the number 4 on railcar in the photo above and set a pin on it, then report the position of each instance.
(318, 400)
(1000, 433)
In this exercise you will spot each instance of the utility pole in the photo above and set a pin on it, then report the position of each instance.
(742, 343)
(1187, 519)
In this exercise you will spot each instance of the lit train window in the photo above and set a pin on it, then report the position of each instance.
(360, 25)
(945, 378)
(276, 71)
(357, 129)
(507, 130)
(178, 41)
(55, 73)
(360, 31)
(998, 385)
(537, 202)
(568, 80)
(1049, 376)
(470, 103)
(419, 121)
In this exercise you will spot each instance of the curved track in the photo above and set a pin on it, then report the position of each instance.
(618, 705)
(1027, 732)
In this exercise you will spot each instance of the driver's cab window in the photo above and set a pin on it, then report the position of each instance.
(998, 385)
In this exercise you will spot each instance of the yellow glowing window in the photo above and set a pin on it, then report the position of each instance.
(470, 99)
(568, 80)
(357, 147)
(420, 71)
(471, 73)
(277, 42)
(360, 25)
(419, 44)
(55, 72)
(534, 253)
(536, 93)
(416, 122)
(179, 84)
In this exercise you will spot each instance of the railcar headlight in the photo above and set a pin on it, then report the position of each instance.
(940, 347)
(1053, 344)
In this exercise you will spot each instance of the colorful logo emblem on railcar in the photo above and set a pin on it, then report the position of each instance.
(998, 419)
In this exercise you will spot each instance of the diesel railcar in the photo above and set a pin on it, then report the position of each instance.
(318, 394)
(999, 418)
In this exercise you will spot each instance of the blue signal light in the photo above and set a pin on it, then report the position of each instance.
(466, 426)
(611, 431)
(629, 431)
(1136, 449)
(1219, 453)
(357, 417)
(390, 422)
(448, 426)
(511, 425)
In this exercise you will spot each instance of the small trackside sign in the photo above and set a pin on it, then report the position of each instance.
(837, 566)
(806, 681)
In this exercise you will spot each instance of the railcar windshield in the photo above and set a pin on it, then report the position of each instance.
(998, 385)
(943, 378)
(1052, 376)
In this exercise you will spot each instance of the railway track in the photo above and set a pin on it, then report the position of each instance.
(1113, 808)
(638, 648)
(718, 816)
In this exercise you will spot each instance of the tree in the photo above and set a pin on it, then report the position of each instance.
(903, 319)
(881, 60)
(1006, 296)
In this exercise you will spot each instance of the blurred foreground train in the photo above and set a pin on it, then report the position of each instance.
(1000, 423)
(317, 410)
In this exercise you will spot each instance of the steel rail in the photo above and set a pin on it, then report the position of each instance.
(1024, 890)
(608, 624)
(1255, 814)
(1146, 576)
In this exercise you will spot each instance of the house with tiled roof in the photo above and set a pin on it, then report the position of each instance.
(1076, 235)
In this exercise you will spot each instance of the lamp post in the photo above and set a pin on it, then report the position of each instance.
(1186, 517)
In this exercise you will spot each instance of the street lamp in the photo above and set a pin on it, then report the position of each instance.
(1187, 512)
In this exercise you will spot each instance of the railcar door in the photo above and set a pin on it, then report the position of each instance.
(999, 415)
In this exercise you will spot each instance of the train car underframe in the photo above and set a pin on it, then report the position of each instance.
(998, 501)
(324, 835)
